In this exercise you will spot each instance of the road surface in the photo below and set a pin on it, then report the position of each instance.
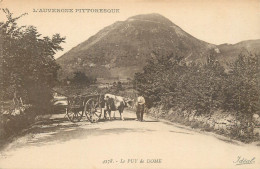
(59, 143)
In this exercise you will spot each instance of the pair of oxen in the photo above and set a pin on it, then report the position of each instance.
(112, 103)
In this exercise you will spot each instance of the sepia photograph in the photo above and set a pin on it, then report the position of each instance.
(134, 84)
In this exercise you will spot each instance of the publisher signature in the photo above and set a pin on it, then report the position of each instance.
(242, 161)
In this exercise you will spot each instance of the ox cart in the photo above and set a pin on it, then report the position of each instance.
(90, 105)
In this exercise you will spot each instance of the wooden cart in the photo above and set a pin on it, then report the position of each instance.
(90, 105)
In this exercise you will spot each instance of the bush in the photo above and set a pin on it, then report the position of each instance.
(80, 78)
(28, 73)
(29, 69)
(170, 82)
(13, 124)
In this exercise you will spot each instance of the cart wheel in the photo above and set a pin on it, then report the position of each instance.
(74, 115)
(93, 110)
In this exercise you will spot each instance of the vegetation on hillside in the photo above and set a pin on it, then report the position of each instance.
(123, 48)
(80, 78)
(204, 88)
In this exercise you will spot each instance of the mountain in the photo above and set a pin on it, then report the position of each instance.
(229, 52)
(123, 48)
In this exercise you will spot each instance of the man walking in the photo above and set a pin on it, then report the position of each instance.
(109, 107)
(140, 108)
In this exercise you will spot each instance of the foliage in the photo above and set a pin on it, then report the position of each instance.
(119, 86)
(27, 62)
(171, 82)
(242, 89)
(12, 124)
(80, 78)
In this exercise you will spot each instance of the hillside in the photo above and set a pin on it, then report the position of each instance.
(229, 52)
(123, 48)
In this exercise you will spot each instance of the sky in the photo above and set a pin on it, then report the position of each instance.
(217, 22)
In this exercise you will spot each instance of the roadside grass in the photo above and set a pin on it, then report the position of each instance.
(233, 133)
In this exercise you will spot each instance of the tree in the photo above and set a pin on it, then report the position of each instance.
(80, 78)
(28, 64)
(168, 81)
(242, 92)
(119, 86)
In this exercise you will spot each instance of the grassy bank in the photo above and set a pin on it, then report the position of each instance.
(222, 123)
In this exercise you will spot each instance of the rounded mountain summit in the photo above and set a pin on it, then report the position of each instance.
(123, 48)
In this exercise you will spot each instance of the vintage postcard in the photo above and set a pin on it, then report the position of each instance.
(145, 84)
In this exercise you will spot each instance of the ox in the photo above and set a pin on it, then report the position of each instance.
(114, 103)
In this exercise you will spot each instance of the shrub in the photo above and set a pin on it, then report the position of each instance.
(29, 69)
(169, 82)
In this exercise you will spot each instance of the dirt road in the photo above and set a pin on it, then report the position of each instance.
(59, 143)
